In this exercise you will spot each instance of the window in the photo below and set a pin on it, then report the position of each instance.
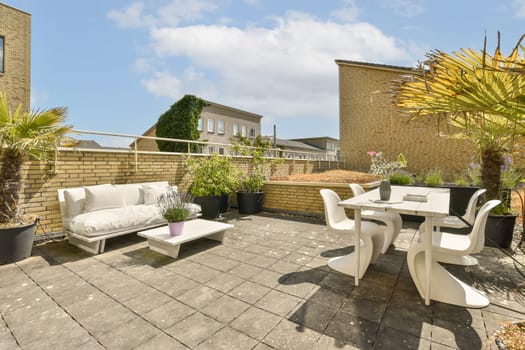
(252, 132)
(220, 126)
(199, 125)
(211, 149)
(221, 151)
(211, 125)
(243, 131)
(1, 54)
(235, 129)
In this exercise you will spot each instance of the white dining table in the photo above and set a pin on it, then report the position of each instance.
(436, 206)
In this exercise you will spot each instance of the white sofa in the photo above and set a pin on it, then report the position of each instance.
(92, 214)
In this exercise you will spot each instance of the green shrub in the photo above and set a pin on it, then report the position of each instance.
(433, 177)
(461, 180)
(213, 176)
(400, 179)
(180, 122)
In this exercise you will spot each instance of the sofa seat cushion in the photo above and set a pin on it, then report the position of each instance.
(102, 222)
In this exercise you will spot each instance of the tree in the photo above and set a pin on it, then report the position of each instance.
(480, 96)
(180, 122)
(24, 135)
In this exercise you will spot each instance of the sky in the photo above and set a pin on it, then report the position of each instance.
(118, 65)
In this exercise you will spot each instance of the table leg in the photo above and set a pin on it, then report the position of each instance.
(428, 257)
(357, 219)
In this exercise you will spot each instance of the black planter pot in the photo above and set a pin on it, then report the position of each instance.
(213, 206)
(250, 202)
(16, 243)
(459, 198)
(499, 230)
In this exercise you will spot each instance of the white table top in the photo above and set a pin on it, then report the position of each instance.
(193, 229)
(437, 204)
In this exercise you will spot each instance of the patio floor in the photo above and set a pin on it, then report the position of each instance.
(267, 286)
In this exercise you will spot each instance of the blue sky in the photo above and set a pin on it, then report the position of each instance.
(117, 65)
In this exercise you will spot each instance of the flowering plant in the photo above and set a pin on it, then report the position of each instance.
(380, 166)
(174, 206)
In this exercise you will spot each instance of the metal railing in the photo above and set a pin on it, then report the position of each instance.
(271, 152)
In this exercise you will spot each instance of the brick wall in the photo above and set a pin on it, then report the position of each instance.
(369, 122)
(75, 168)
(299, 198)
(15, 27)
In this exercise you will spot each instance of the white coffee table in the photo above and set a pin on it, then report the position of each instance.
(159, 238)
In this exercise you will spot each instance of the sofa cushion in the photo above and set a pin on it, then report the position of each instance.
(102, 197)
(101, 222)
(152, 191)
(74, 199)
(132, 193)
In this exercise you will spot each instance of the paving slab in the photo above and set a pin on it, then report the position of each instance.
(267, 286)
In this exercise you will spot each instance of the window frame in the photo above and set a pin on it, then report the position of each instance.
(235, 129)
(2, 54)
(244, 131)
(212, 129)
(220, 127)
(199, 124)
(252, 133)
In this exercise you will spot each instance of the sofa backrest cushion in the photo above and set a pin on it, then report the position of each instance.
(131, 193)
(103, 197)
(153, 190)
(74, 199)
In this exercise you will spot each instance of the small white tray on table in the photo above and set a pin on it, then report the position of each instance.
(159, 238)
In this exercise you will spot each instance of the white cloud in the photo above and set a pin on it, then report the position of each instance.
(172, 13)
(287, 70)
(130, 17)
(405, 8)
(349, 13)
(520, 8)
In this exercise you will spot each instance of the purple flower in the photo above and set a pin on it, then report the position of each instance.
(507, 163)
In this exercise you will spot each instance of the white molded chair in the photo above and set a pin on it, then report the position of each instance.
(445, 287)
(456, 223)
(392, 221)
(371, 237)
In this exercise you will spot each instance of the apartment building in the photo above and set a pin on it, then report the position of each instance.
(329, 145)
(218, 124)
(15, 55)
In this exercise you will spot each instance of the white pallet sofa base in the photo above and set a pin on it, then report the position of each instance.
(131, 195)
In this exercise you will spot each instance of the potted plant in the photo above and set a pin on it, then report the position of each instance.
(214, 179)
(250, 196)
(478, 95)
(174, 208)
(24, 135)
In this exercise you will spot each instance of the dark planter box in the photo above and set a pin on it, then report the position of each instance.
(213, 206)
(499, 230)
(459, 197)
(250, 202)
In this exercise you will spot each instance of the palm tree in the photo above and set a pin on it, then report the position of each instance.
(24, 135)
(480, 97)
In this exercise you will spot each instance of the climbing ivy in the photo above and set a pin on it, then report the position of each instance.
(180, 122)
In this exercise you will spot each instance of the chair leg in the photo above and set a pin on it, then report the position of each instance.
(377, 236)
(444, 286)
(347, 263)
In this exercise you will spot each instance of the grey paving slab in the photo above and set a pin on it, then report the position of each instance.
(226, 339)
(267, 286)
(255, 322)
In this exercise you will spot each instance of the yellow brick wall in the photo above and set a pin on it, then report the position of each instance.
(90, 167)
(15, 27)
(369, 122)
(299, 198)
